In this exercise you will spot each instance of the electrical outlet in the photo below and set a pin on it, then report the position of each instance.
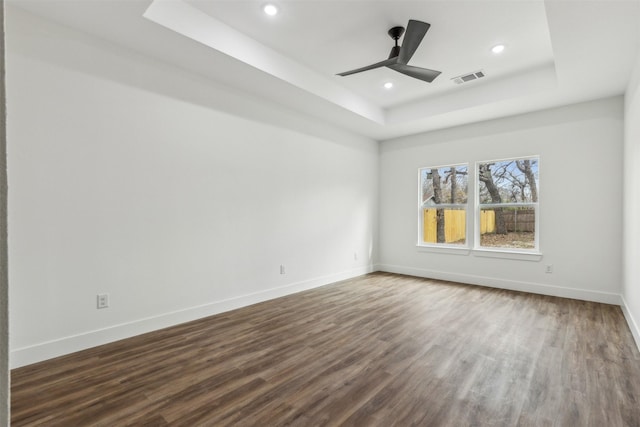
(355, 256)
(549, 269)
(103, 300)
(282, 271)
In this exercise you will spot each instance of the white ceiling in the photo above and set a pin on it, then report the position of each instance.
(335, 36)
(557, 52)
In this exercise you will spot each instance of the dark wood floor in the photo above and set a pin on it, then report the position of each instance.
(379, 350)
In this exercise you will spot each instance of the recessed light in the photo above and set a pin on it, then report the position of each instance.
(388, 85)
(497, 48)
(270, 9)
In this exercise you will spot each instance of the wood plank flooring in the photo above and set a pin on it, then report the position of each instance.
(378, 350)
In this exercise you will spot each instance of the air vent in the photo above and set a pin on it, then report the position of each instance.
(468, 77)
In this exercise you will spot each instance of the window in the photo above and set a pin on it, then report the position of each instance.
(443, 205)
(507, 204)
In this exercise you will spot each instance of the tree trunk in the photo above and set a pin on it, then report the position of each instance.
(454, 184)
(501, 226)
(487, 178)
(531, 179)
(437, 198)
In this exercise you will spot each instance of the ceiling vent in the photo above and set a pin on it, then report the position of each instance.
(468, 77)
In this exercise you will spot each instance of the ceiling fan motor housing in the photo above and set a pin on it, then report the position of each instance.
(396, 32)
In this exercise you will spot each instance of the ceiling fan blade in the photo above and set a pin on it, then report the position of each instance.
(424, 74)
(416, 31)
(384, 63)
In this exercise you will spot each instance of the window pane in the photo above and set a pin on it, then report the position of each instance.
(512, 183)
(444, 185)
(508, 181)
(518, 225)
(444, 226)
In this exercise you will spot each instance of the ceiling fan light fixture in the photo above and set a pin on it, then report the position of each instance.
(270, 9)
(499, 48)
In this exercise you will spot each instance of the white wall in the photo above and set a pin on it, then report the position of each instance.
(125, 179)
(580, 218)
(631, 205)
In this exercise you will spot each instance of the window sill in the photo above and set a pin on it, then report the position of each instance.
(444, 249)
(505, 254)
(484, 253)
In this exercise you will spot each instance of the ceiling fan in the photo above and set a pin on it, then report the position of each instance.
(400, 55)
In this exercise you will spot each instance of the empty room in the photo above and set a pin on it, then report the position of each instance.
(320, 213)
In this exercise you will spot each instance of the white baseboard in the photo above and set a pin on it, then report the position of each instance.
(633, 325)
(50, 349)
(514, 285)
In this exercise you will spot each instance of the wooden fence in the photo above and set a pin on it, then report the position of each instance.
(455, 223)
(520, 219)
(487, 221)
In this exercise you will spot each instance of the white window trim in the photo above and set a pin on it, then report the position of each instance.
(472, 238)
(443, 247)
(496, 252)
(506, 253)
